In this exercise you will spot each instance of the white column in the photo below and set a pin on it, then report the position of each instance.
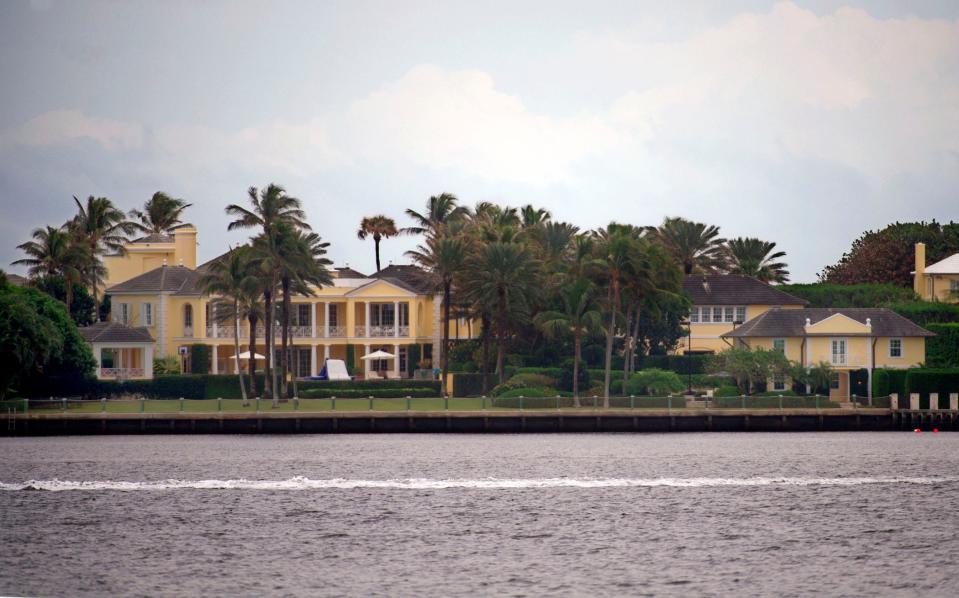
(326, 319)
(869, 368)
(954, 401)
(213, 315)
(396, 322)
(313, 321)
(396, 360)
(98, 355)
(894, 401)
(213, 359)
(313, 358)
(148, 361)
(914, 401)
(326, 353)
(366, 308)
(366, 362)
(933, 401)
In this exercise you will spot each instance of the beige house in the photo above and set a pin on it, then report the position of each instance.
(121, 352)
(939, 281)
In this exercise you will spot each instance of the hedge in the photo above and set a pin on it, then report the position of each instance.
(681, 364)
(361, 393)
(942, 350)
(888, 381)
(925, 381)
(763, 402)
(200, 359)
(849, 295)
(927, 312)
(471, 385)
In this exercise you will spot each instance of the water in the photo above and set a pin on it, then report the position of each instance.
(699, 514)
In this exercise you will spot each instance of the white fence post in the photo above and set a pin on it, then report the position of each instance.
(894, 401)
(954, 401)
(933, 401)
(914, 401)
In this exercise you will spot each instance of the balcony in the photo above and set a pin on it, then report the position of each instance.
(120, 373)
(337, 332)
(224, 332)
(383, 331)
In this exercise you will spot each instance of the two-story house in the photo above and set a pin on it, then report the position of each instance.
(939, 281)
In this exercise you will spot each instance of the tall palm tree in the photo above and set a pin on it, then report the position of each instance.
(161, 214)
(54, 252)
(444, 258)
(578, 317)
(231, 280)
(696, 247)
(270, 209)
(534, 216)
(756, 258)
(379, 227)
(100, 227)
(441, 211)
(503, 277)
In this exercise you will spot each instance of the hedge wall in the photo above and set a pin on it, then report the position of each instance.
(849, 295)
(376, 393)
(885, 382)
(925, 313)
(681, 364)
(925, 381)
(470, 385)
(942, 350)
(200, 359)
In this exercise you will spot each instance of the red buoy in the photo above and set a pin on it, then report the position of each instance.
(935, 430)
(917, 431)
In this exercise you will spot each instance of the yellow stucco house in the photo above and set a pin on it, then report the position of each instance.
(721, 303)
(848, 339)
(155, 287)
(939, 281)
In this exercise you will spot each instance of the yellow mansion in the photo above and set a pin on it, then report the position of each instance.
(155, 289)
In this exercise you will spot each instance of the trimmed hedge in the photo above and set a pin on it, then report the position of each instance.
(762, 402)
(681, 364)
(942, 350)
(470, 385)
(925, 381)
(821, 294)
(888, 381)
(201, 357)
(927, 312)
(362, 393)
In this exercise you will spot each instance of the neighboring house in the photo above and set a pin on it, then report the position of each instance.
(721, 303)
(121, 352)
(150, 252)
(392, 311)
(848, 339)
(939, 281)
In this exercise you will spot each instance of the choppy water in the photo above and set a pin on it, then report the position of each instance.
(699, 514)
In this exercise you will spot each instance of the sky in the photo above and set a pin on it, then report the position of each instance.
(803, 123)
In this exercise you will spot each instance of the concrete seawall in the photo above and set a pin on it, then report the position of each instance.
(648, 420)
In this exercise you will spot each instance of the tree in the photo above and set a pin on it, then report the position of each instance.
(161, 214)
(270, 209)
(54, 252)
(752, 257)
(443, 257)
(533, 217)
(577, 318)
(99, 227)
(379, 227)
(81, 304)
(441, 211)
(696, 247)
(231, 280)
(503, 277)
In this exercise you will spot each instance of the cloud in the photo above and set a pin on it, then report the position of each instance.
(60, 127)
(458, 120)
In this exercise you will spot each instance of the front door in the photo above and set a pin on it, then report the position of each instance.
(839, 387)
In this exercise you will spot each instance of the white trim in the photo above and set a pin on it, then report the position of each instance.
(405, 293)
(837, 314)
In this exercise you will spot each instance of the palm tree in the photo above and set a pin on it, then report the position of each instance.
(379, 227)
(534, 216)
(270, 209)
(231, 279)
(443, 257)
(504, 278)
(99, 227)
(578, 317)
(441, 211)
(695, 246)
(54, 252)
(753, 257)
(161, 214)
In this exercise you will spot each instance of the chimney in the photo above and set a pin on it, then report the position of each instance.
(919, 278)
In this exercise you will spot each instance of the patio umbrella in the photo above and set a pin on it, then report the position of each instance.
(378, 355)
(246, 355)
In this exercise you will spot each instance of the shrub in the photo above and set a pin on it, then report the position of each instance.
(925, 381)
(362, 393)
(200, 357)
(850, 295)
(553, 373)
(654, 381)
(775, 393)
(530, 391)
(727, 391)
(470, 385)
(942, 350)
(616, 387)
(565, 380)
(533, 380)
(927, 312)
(412, 358)
(888, 381)
(708, 381)
(681, 364)
(166, 365)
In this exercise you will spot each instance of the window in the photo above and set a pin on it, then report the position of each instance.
(302, 315)
(705, 314)
(302, 363)
(954, 287)
(779, 383)
(694, 314)
(834, 380)
(333, 316)
(741, 313)
(895, 347)
(146, 314)
(779, 344)
(123, 313)
(839, 351)
(717, 314)
(188, 316)
(728, 314)
(403, 358)
(404, 314)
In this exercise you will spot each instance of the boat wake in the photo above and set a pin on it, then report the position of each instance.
(303, 483)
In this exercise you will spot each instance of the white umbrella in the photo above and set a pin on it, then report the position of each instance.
(246, 355)
(379, 355)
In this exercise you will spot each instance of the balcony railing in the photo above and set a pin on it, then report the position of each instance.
(188, 331)
(121, 373)
(337, 332)
(224, 332)
(388, 331)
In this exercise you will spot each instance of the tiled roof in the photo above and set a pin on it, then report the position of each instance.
(178, 280)
(792, 322)
(154, 238)
(735, 289)
(205, 266)
(347, 272)
(114, 332)
(16, 279)
(413, 278)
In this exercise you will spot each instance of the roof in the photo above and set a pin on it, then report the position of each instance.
(154, 238)
(16, 279)
(735, 289)
(792, 322)
(178, 280)
(407, 276)
(950, 265)
(114, 332)
(205, 266)
(347, 272)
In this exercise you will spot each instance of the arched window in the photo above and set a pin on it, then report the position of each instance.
(187, 320)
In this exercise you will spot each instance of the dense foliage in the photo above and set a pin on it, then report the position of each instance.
(942, 350)
(850, 295)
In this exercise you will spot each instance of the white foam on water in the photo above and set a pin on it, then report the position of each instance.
(303, 483)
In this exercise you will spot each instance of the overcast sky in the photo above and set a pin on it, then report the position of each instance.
(803, 123)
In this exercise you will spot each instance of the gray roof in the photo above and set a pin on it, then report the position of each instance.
(735, 289)
(178, 280)
(412, 278)
(16, 279)
(114, 332)
(154, 238)
(347, 272)
(792, 322)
